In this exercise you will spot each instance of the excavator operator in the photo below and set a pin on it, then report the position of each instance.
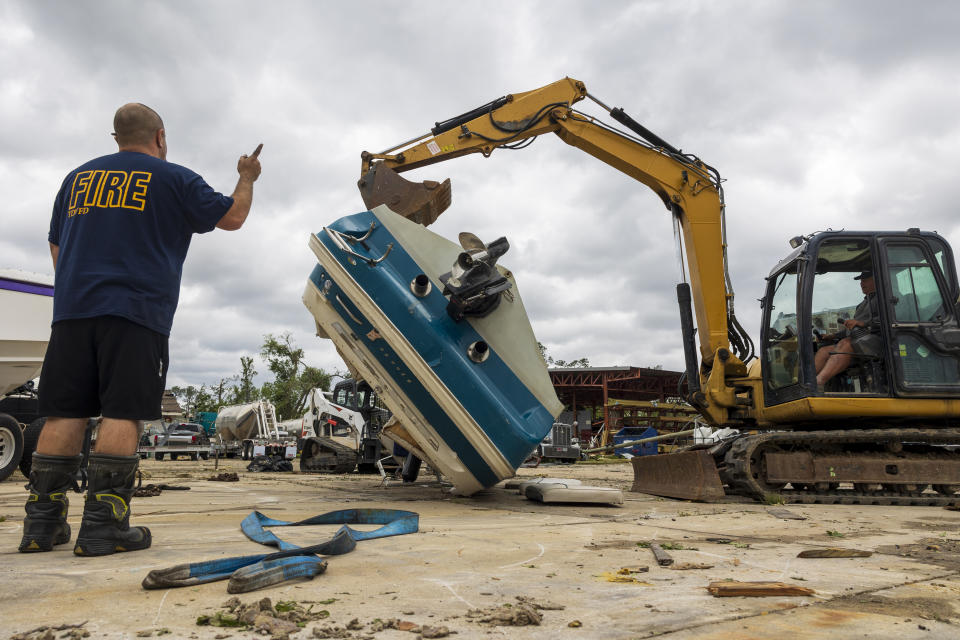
(859, 335)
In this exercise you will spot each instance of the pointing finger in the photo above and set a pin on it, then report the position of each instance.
(256, 152)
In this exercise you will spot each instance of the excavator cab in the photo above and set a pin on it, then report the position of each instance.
(911, 344)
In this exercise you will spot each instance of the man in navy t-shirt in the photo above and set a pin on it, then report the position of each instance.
(119, 234)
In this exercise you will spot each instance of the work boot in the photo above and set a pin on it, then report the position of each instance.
(46, 522)
(105, 527)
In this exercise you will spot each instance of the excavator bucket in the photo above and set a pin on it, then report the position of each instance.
(691, 475)
(422, 202)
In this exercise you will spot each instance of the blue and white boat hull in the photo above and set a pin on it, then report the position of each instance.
(473, 417)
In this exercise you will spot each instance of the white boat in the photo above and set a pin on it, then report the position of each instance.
(26, 311)
(440, 333)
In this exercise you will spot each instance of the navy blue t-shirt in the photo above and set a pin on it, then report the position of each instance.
(123, 223)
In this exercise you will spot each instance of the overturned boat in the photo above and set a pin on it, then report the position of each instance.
(440, 333)
(27, 302)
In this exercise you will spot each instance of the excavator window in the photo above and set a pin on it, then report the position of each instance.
(837, 296)
(916, 296)
(920, 310)
(783, 362)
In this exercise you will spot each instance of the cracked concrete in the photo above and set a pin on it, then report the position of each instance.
(486, 550)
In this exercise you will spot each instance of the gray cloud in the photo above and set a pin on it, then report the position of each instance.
(818, 114)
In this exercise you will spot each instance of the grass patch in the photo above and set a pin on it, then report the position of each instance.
(834, 534)
(773, 498)
(219, 619)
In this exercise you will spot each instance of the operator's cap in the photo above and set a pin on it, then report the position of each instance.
(864, 275)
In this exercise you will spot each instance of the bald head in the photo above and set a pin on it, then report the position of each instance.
(136, 125)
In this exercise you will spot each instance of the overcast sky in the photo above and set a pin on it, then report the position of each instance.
(817, 115)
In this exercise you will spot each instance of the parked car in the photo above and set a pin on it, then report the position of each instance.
(185, 433)
(179, 439)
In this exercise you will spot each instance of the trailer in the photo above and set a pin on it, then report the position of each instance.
(159, 440)
(251, 430)
(27, 302)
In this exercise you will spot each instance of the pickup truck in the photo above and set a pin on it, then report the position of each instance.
(180, 439)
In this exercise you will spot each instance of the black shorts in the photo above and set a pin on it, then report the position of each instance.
(105, 366)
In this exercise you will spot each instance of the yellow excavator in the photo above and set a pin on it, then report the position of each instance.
(854, 395)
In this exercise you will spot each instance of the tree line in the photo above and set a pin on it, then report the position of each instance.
(292, 381)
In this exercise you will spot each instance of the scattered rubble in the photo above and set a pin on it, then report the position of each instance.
(685, 566)
(73, 632)
(834, 552)
(525, 612)
(153, 490)
(226, 476)
(356, 630)
(278, 621)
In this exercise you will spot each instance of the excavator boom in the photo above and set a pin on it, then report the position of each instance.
(880, 433)
(688, 188)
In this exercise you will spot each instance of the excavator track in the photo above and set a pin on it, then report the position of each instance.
(884, 466)
(322, 455)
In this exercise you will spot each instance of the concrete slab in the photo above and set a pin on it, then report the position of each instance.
(489, 549)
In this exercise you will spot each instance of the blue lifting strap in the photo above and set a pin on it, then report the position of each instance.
(247, 573)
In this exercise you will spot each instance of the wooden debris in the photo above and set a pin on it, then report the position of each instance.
(834, 552)
(785, 514)
(663, 558)
(727, 588)
(684, 566)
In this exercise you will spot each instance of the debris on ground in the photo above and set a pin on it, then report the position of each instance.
(609, 576)
(73, 632)
(575, 624)
(356, 630)
(728, 588)
(834, 552)
(278, 621)
(506, 615)
(270, 463)
(685, 566)
(663, 558)
(946, 555)
(525, 612)
(924, 608)
(153, 490)
(785, 514)
(540, 605)
(625, 571)
(148, 633)
(226, 476)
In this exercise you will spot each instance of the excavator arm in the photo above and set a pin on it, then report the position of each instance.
(689, 189)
